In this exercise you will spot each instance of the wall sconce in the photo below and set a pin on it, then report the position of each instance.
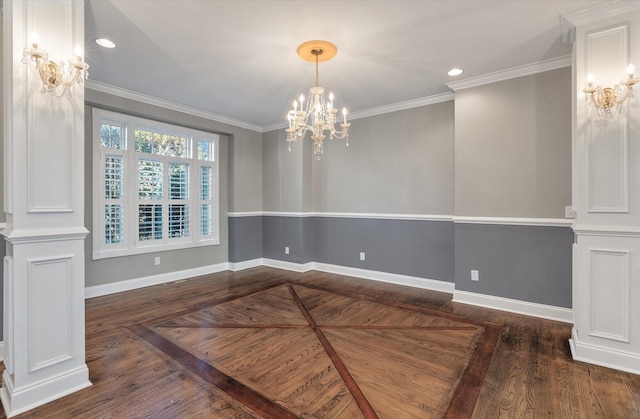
(57, 79)
(606, 100)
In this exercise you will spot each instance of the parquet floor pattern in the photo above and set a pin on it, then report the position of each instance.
(300, 351)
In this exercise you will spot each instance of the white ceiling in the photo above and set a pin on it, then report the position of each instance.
(237, 58)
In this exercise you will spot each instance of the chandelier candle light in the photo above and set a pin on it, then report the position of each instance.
(57, 79)
(319, 115)
(605, 99)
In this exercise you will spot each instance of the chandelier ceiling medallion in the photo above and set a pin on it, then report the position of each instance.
(317, 115)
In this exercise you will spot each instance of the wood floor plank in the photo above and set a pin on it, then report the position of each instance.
(406, 365)
(331, 309)
(373, 329)
(363, 404)
(287, 365)
(256, 401)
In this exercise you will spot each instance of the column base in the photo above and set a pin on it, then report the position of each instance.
(603, 356)
(16, 401)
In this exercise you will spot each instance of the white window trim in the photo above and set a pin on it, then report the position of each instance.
(131, 245)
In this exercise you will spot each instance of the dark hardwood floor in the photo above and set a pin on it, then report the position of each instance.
(270, 343)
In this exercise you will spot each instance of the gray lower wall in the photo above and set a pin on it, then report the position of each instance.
(524, 263)
(406, 247)
(296, 233)
(245, 238)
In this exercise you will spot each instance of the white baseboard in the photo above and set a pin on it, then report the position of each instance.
(560, 314)
(605, 357)
(131, 284)
(410, 281)
(245, 264)
(289, 266)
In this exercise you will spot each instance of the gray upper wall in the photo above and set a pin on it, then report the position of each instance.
(2, 214)
(285, 175)
(396, 163)
(244, 186)
(245, 171)
(513, 147)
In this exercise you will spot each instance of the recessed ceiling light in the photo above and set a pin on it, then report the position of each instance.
(455, 71)
(104, 42)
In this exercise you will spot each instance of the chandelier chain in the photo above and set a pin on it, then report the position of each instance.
(317, 53)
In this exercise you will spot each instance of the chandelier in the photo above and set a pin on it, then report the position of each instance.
(317, 115)
(608, 100)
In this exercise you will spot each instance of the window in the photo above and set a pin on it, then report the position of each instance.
(155, 186)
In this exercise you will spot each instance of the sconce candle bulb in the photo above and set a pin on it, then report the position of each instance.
(78, 52)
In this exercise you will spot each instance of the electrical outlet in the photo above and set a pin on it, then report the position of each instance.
(286, 250)
(475, 275)
(361, 255)
(156, 261)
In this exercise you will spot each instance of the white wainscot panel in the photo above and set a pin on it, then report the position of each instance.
(7, 330)
(50, 311)
(49, 156)
(609, 294)
(607, 176)
(50, 122)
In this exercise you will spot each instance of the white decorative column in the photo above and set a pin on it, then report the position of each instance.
(44, 205)
(606, 153)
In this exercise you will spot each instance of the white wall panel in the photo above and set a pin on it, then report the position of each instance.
(607, 139)
(609, 294)
(7, 326)
(50, 311)
(49, 151)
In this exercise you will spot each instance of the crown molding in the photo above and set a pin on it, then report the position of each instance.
(601, 11)
(155, 101)
(512, 73)
(400, 106)
(507, 74)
